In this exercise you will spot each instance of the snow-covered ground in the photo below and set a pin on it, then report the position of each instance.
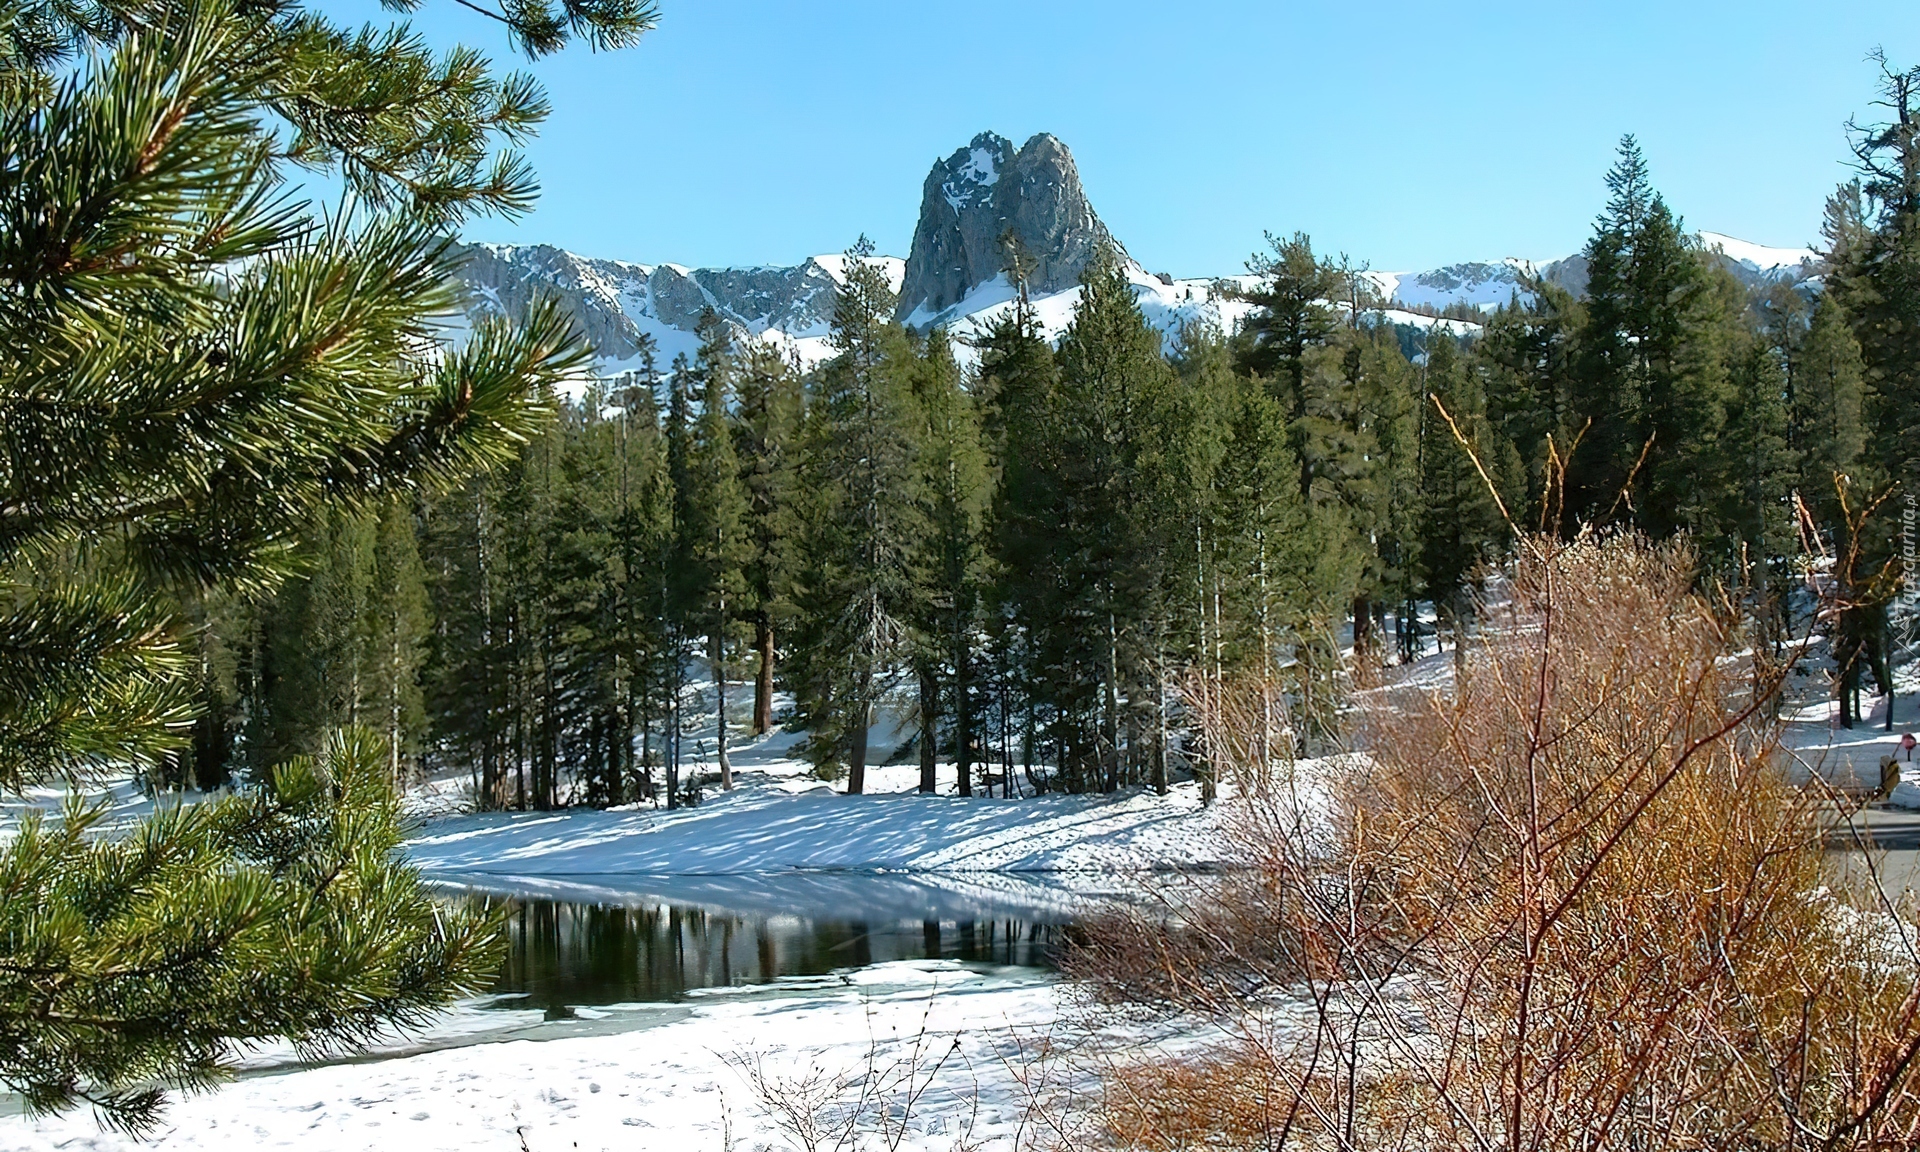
(1849, 758)
(779, 818)
(494, 1074)
(678, 1079)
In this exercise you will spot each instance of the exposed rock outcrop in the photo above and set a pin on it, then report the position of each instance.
(974, 198)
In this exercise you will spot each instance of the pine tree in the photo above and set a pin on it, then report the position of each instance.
(1275, 569)
(1827, 418)
(862, 518)
(951, 481)
(316, 644)
(1873, 235)
(1754, 523)
(398, 628)
(1461, 526)
(766, 431)
(1650, 376)
(718, 544)
(1116, 492)
(676, 571)
(641, 526)
(465, 677)
(1293, 313)
(1018, 380)
(201, 371)
(1526, 352)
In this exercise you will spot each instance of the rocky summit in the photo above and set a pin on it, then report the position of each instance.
(983, 203)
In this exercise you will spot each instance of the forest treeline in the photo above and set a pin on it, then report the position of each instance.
(1044, 553)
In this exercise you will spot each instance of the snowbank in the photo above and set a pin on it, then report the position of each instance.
(672, 1086)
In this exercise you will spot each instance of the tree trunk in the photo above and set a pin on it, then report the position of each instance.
(763, 676)
(392, 697)
(929, 729)
(1160, 782)
(857, 756)
(963, 724)
(1113, 702)
(717, 650)
(673, 728)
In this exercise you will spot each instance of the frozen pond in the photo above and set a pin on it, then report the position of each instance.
(596, 941)
(601, 955)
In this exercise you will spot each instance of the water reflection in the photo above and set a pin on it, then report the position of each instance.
(564, 953)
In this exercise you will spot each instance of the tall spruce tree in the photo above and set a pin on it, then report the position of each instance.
(400, 623)
(1873, 236)
(862, 519)
(1018, 379)
(766, 444)
(1650, 376)
(718, 546)
(1115, 493)
(951, 482)
(1461, 526)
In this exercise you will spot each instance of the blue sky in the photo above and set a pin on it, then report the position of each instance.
(745, 132)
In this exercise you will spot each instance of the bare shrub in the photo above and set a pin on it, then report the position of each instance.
(1568, 904)
(870, 1104)
(1242, 726)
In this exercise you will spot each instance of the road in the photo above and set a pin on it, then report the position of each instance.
(1892, 839)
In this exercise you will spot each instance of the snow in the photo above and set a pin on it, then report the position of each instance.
(770, 830)
(980, 171)
(666, 1079)
(1759, 257)
(1485, 286)
(779, 819)
(834, 264)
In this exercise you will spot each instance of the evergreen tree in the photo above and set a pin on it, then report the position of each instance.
(1018, 381)
(717, 542)
(677, 572)
(1527, 352)
(1275, 568)
(951, 482)
(1828, 408)
(466, 674)
(641, 526)
(1293, 313)
(862, 519)
(1754, 523)
(401, 621)
(766, 431)
(201, 370)
(1873, 235)
(1461, 526)
(1115, 495)
(1650, 373)
(316, 643)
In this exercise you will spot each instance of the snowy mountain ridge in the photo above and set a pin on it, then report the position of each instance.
(985, 207)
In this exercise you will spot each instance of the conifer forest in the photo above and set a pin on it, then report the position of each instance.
(1041, 550)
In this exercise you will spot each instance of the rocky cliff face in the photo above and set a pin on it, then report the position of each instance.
(974, 198)
(616, 303)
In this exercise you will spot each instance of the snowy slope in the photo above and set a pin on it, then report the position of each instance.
(1758, 257)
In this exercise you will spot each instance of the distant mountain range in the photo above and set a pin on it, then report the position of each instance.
(972, 203)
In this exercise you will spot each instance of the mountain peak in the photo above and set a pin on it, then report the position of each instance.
(973, 199)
